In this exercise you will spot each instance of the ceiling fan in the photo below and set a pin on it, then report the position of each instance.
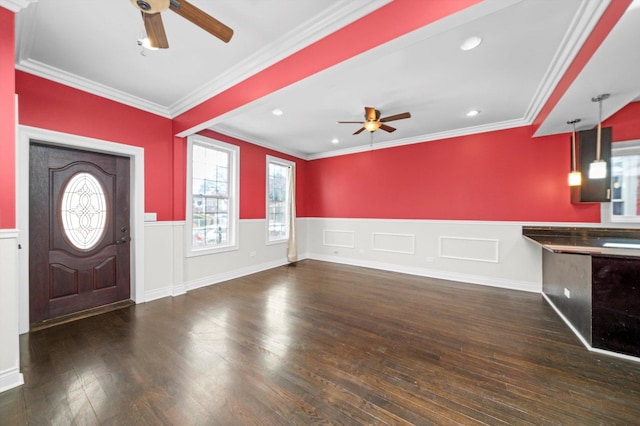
(151, 10)
(373, 121)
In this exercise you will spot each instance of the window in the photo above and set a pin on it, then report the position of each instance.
(84, 211)
(212, 195)
(625, 182)
(279, 175)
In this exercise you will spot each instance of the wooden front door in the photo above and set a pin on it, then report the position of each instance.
(78, 231)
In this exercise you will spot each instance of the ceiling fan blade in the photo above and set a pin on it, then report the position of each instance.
(370, 114)
(395, 117)
(387, 128)
(359, 131)
(155, 30)
(349, 122)
(201, 19)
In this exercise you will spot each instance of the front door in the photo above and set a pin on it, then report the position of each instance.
(78, 231)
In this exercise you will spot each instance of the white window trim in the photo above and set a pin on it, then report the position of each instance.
(234, 195)
(606, 209)
(282, 162)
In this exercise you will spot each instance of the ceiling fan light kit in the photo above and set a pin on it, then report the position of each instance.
(372, 126)
(151, 16)
(373, 121)
(152, 6)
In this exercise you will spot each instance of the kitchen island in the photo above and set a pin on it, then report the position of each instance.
(592, 278)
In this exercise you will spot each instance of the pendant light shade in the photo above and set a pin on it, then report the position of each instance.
(575, 177)
(598, 168)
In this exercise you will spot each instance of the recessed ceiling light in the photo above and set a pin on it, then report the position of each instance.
(472, 113)
(471, 43)
(277, 112)
(335, 141)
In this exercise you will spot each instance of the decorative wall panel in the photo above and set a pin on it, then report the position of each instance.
(477, 249)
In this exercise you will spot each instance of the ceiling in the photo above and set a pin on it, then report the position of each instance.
(512, 78)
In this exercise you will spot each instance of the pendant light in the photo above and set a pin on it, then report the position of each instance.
(598, 168)
(575, 177)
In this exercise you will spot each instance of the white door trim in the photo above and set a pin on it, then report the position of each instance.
(50, 137)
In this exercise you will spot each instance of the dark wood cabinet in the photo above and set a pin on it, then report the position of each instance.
(595, 286)
(592, 190)
(616, 307)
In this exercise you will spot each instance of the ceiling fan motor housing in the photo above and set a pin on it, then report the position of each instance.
(151, 6)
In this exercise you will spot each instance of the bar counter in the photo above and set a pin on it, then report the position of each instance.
(592, 278)
(610, 241)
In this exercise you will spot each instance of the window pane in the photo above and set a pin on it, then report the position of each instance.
(625, 183)
(277, 202)
(210, 189)
(83, 211)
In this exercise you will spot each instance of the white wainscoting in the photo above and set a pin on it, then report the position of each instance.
(10, 375)
(338, 238)
(488, 253)
(170, 273)
(393, 243)
(163, 242)
(463, 248)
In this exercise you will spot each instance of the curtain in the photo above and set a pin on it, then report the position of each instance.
(292, 249)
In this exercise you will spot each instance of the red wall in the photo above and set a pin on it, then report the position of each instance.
(625, 123)
(499, 176)
(253, 177)
(7, 121)
(49, 105)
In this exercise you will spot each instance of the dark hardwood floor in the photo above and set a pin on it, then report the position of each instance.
(323, 343)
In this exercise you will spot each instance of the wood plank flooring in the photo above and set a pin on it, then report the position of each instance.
(322, 343)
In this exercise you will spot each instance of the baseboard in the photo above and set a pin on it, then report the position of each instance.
(158, 294)
(179, 289)
(226, 276)
(434, 273)
(10, 379)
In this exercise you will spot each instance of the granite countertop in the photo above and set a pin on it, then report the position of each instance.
(605, 241)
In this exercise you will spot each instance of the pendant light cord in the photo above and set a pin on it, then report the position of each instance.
(599, 143)
(599, 99)
(573, 144)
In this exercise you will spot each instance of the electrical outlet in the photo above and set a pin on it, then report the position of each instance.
(252, 254)
(567, 293)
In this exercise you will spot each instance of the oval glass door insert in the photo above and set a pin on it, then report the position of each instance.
(83, 211)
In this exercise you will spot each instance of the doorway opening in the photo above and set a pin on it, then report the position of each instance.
(27, 135)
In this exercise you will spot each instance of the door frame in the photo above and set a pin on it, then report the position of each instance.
(136, 155)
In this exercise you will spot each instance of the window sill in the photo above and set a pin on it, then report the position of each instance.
(207, 251)
(274, 242)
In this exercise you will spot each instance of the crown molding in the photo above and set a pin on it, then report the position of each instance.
(246, 138)
(59, 76)
(16, 5)
(335, 17)
(585, 20)
(491, 127)
(340, 14)
(24, 63)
